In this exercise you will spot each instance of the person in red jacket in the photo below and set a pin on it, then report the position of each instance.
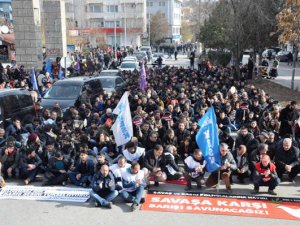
(265, 175)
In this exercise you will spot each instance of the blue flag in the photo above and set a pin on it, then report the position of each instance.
(33, 81)
(49, 68)
(208, 140)
(61, 74)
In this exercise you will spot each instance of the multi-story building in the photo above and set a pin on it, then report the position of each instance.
(106, 21)
(171, 9)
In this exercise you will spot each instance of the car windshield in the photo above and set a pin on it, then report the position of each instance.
(157, 55)
(127, 65)
(107, 83)
(63, 92)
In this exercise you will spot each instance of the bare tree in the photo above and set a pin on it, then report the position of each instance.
(158, 28)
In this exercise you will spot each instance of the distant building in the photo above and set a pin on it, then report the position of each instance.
(95, 22)
(6, 12)
(171, 9)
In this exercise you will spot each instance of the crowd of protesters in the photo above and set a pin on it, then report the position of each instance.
(163, 147)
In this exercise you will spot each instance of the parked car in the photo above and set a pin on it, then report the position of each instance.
(113, 83)
(68, 91)
(16, 103)
(156, 55)
(283, 56)
(109, 73)
(130, 58)
(141, 56)
(129, 66)
(265, 53)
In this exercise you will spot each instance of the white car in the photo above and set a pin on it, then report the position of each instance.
(129, 66)
(130, 58)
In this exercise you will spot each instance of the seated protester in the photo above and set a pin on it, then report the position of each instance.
(15, 129)
(227, 166)
(225, 137)
(2, 138)
(48, 152)
(35, 142)
(265, 175)
(133, 153)
(152, 141)
(272, 143)
(154, 162)
(84, 170)
(67, 147)
(2, 181)
(101, 160)
(111, 151)
(133, 181)
(118, 169)
(10, 157)
(287, 160)
(58, 167)
(243, 137)
(186, 148)
(103, 187)
(29, 165)
(173, 171)
(223, 122)
(242, 163)
(256, 155)
(253, 144)
(93, 130)
(194, 169)
(85, 147)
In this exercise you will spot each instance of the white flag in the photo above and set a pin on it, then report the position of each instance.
(122, 128)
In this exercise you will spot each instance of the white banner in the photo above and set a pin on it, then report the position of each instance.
(63, 194)
(122, 128)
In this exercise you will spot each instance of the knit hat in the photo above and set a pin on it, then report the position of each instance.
(32, 137)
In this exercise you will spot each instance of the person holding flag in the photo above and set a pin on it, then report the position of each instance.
(122, 128)
(228, 164)
(208, 141)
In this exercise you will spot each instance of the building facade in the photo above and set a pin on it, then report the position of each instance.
(171, 9)
(94, 22)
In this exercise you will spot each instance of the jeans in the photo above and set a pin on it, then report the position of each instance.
(104, 201)
(83, 179)
(14, 172)
(272, 183)
(135, 196)
(30, 174)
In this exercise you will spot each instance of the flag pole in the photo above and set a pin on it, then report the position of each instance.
(218, 184)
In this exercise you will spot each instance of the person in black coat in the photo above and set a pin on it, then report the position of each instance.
(155, 163)
(241, 159)
(287, 117)
(103, 187)
(58, 167)
(287, 160)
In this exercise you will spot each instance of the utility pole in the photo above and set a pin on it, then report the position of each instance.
(115, 30)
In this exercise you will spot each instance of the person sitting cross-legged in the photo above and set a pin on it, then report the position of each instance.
(103, 187)
(84, 170)
(265, 175)
(195, 169)
(133, 185)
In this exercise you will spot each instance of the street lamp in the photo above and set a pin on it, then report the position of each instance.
(115, 29)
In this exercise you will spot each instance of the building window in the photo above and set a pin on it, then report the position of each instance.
(96, 22)
(69, 8)
(96, 8)
(112, 8)
(161, 3)
(111, 24)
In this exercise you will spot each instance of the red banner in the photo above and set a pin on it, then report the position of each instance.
(222, 206)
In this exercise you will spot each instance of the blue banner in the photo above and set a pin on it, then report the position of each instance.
(208, 140)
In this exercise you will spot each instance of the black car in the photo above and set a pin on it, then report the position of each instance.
(66, 92)
(16, 103)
